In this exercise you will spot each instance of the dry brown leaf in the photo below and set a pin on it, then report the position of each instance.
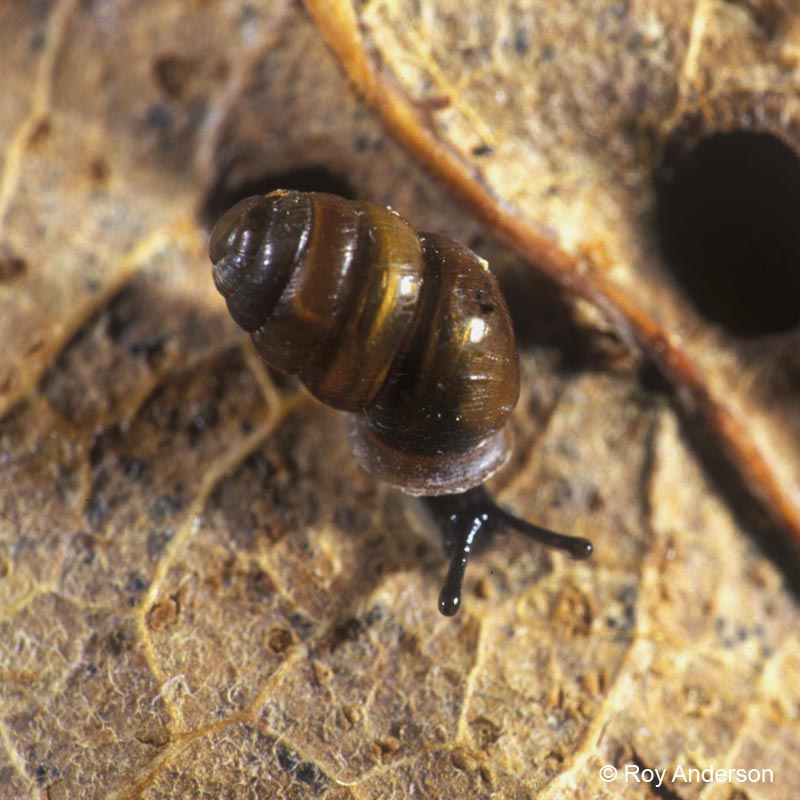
(201, 594)
(551, 121)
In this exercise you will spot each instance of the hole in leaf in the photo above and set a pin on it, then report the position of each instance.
(727, 219)
(227, 191)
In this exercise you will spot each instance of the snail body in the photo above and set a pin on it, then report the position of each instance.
(408, 333)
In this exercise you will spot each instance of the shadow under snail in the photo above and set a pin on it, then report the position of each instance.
(408, 334)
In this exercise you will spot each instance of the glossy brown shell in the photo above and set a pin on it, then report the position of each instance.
(410, 334)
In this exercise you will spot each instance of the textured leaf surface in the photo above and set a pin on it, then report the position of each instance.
(575, 131)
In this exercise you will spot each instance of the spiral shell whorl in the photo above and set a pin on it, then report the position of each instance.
(409, 332)
(328, 288)
(254, 248)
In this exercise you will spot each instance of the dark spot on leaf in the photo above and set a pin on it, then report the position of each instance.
(304, 771)
(121, 315)
(620, 10)
(12, 265)
(207, 417)
(165, 505)
(160, 117)
(37, 41)
(522, 41)
(157, 542)
(623, 619)
(41, 774)
(131, 467)
(280, 640)
(136, 586)
(171, 74)
(353, 629)
(663, 792)
(364, 143)
(97, 510)
(120, 641)
(259, 586)
(152, 347)
(485, 732)
(482, 150)
(228, 189)
(41, 132)
(99, 169)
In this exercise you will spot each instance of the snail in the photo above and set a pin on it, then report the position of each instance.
(407, 334)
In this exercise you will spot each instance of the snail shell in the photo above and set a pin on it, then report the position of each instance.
(407, 333)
